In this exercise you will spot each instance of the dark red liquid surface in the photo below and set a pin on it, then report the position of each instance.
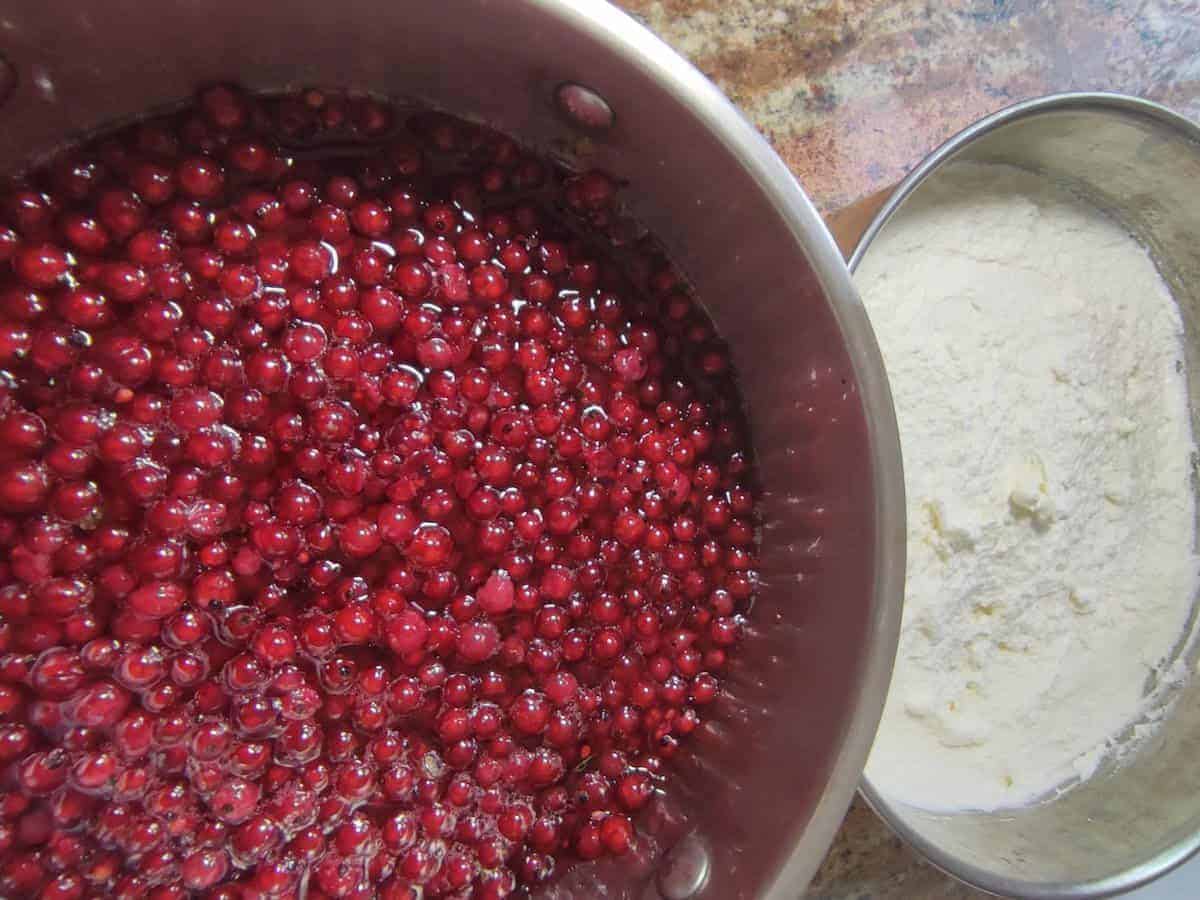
(375, 507)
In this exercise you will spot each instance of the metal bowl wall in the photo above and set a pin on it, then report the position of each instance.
(1128, 823)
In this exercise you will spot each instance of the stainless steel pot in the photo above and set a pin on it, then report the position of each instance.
(753, 813)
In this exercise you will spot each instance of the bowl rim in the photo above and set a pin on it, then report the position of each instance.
(642, 48)
(984, 879)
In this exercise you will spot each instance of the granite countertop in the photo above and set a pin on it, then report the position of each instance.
(852, 93)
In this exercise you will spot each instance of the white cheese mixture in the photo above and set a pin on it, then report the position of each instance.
(1036, 360)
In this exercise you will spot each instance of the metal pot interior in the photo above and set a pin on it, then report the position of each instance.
(774, 770)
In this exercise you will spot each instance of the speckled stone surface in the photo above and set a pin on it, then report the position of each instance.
(868, 862)
(853, 93)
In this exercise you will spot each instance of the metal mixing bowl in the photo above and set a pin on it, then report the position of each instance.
(1140, 163)
(752, 814)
